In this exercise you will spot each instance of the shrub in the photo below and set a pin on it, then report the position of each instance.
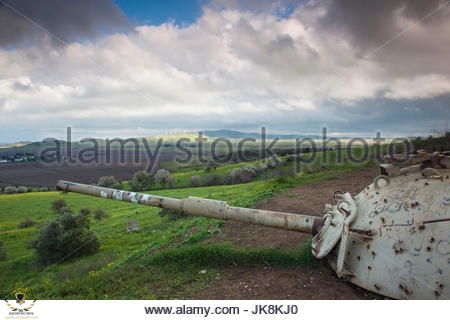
(109, 182)
(65, 238)
(66, 210)
(84, 211)
(262, 169)
(194, 182)
(164, 177)
(242, 175)
(290, 158)
(22, 189)
(10, 190)
(57, 205)
(141, 181)
(99, 214)
(212, 180)
(43, 189)
(2, 251)
(210, 166)
(251, 170)
(26, 223)
(273, 162)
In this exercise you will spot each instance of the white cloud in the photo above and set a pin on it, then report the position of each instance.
(426, 86)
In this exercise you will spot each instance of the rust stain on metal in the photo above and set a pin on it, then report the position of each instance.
(405, 289)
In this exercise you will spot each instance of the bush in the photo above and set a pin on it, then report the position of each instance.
(84, 211)
(65, 238)
(109, 182)
(57, 205)
(212, 180)
(210, 166)
(10, 190)
(290, 158)
(141, 181)
(164, 177)
(66, 210)
(43, 189)
(99, 214)
(194, 182)
(242, 175)
(273, 163)
(26, 223)
(439, 141)
(2, 251)
(22, 189)
(251, 170)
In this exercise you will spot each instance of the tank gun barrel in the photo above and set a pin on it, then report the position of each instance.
(203, 207)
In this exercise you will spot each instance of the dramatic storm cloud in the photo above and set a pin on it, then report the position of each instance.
(356, 67)
(68, 20)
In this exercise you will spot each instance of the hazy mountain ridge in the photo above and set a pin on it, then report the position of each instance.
(225, 133)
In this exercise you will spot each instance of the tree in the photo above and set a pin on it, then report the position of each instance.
(65, 238)
(194, 182)
(164, 177)
(10, 190)
(109, 182)
(212, 180)
(22, 189)
(242, 175)
(99, 214)
(57, 205)
(84, 211)
(141, 181)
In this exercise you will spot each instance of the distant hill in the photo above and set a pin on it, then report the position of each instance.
(224, 133)
(14, 145)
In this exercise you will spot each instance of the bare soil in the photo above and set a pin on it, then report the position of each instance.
(36, 174)
(280, 283)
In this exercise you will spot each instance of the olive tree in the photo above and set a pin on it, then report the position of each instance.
(65, 238)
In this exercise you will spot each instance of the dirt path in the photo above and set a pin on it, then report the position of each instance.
(267, 282)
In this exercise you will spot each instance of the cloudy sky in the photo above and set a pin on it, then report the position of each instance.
(140, 68)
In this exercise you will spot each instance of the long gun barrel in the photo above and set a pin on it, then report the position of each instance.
(203, 207)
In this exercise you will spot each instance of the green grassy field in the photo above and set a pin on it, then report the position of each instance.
(161, 261)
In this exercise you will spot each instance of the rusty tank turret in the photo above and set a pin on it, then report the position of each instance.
(393, 238)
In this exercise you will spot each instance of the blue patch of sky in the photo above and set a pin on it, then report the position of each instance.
(181, 12)
(285, 11)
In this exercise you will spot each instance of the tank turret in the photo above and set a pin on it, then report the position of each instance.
(393, 238)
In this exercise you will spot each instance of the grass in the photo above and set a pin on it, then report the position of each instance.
(163, 260)
(223, 254)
